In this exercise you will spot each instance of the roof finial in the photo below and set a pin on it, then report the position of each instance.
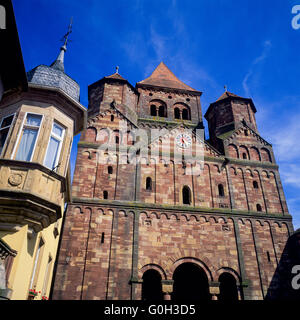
(225, 87)
(117, 69)
(59, 62)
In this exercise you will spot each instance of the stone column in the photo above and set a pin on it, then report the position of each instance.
(167, 288)
(214, 289)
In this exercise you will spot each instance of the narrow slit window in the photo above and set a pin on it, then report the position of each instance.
(112, 118)
(258, 207)
(255, 185)
(176, 113)
(105, 194)
(186, 195)
(148, 184)
(102, 237)
(244, 155)
(110, 170)
(221, 190)
(117, 140)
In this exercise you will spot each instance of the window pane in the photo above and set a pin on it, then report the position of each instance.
(57, 130)
(33, 120)
(52, 153)
(7, 121)
(27, 144)
(3, 135)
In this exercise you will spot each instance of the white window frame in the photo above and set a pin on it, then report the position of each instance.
(9, 131)
(20, 133)
(61, 140)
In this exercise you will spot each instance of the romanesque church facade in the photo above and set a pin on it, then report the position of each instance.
(150, 218)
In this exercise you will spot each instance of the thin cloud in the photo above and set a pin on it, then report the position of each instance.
(266, 48)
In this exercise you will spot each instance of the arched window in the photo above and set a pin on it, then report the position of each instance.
(258, 207)
(105, 194)
(176, 113)
(110, 170)
(185, 114)
(148, 184)
(221, 190)
(186, 195)
(244, 155)
(162, 111)
(255, 185)
(153, 110)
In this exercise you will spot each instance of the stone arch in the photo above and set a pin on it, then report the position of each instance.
(90, 134)
(244, 153)
(233, 151)
(158, 108)
(183, 109)
(265, 155)
(103, 135)
(234, 273)
(154, 266)
(228, 286)
(204, 264)
(254, 154)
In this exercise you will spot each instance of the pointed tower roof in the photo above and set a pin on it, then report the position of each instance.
(230, 96)
(162, 76)
(54, 75)
(227, 94)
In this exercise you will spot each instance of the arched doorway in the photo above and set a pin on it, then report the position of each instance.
(190, 283)
(151, 287)
(228, 288)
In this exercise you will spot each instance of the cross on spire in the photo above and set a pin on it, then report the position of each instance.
(59, 62)
(67, 34)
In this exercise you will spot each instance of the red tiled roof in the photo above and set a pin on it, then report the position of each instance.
(162, 76)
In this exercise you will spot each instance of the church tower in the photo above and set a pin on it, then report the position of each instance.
(152, 219)
(37, 127)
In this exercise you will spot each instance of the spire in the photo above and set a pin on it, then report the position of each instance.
(59, 62)
(162, 76)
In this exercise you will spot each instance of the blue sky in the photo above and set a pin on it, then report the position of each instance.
(250, 46)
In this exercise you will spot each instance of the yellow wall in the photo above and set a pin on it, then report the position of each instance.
(22, 268)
